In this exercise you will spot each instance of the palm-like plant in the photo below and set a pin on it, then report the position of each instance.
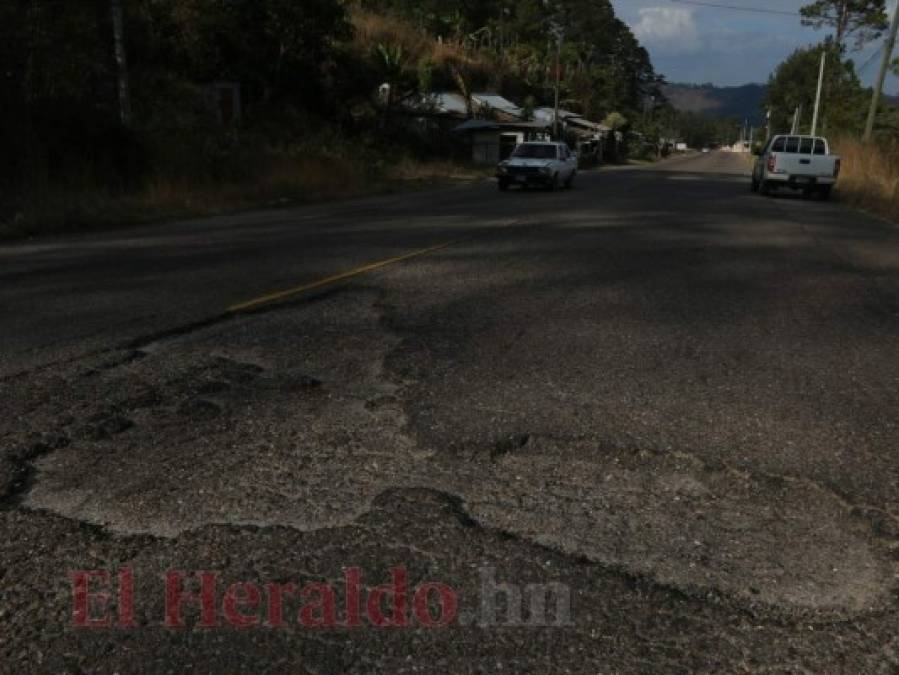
(392, 62)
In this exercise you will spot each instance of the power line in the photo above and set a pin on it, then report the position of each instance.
(736, 8)
(871, 59)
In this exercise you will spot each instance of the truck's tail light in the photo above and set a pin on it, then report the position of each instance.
(836, 168)
(772, 162)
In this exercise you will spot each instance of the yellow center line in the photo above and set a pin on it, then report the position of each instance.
(327, 281)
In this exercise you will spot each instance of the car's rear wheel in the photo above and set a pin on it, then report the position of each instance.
(503, 185)
(570, 182)
(765, 188)
(825, 192)
(554, 183)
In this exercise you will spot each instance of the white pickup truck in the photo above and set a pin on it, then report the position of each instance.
(550, 165)
(796, 162)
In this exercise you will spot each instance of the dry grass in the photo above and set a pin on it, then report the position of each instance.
(284, 181)
(372, 29)
(434, 171)
(870, 175)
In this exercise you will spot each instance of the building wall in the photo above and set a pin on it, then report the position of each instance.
(486, 145)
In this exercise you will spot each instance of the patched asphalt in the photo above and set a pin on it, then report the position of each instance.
(671, 398)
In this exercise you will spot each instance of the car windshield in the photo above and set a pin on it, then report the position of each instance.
(534, 151)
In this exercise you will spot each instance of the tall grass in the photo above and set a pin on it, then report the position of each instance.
(870, 174)
(372, 29)
(279, 180)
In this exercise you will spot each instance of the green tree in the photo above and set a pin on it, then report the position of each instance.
(275, 48)
(615, 121)
(794, 84)
(865, 19)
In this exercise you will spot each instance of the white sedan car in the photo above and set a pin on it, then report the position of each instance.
(549, 165)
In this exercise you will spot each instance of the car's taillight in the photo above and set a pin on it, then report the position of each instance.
(772, 162)
(837, 165)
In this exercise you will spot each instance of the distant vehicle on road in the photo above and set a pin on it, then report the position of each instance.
(796, 162)
(549, 165)
(706, 151)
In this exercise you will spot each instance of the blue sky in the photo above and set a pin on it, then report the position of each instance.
(690, 43)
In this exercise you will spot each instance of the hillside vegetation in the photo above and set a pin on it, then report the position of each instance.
(315, 121)
(744, 102)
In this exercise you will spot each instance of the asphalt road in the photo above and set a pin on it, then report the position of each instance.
(661, 404)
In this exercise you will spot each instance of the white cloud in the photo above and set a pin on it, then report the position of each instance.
(669, 29)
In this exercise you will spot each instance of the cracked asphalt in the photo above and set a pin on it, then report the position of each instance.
(672, 399)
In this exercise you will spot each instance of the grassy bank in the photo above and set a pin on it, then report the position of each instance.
(870, 175)
(278, 181)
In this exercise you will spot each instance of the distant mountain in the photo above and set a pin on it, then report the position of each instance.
(740, 102)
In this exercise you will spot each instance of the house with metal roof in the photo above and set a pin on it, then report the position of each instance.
(493, 141)
(494, 125)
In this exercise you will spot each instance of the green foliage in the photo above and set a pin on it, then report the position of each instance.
(604, 67)
(426, 67)
(696, 129)
(615, 121)
(795, 83)
(59, 118)
(864, 19)
(528, 108)
(275, 48)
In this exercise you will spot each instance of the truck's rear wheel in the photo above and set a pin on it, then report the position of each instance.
(755, 185)
(824, 192)
(765, 188)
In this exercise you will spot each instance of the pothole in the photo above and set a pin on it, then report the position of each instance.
(289, 443)
(683, 523)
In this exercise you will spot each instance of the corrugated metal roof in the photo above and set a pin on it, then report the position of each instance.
(441, 102)
(489, 125)
(549, 114)
(497, 102)
(449, 102)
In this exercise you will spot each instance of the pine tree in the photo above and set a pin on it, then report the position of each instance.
(866, 20)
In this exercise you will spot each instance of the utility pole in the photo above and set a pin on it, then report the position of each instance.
(881, 76)
(118, 30)
(797, 116)
(818, 95)
(558, 86)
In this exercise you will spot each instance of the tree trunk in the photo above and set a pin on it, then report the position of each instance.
(842, 24)
(118, 30)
